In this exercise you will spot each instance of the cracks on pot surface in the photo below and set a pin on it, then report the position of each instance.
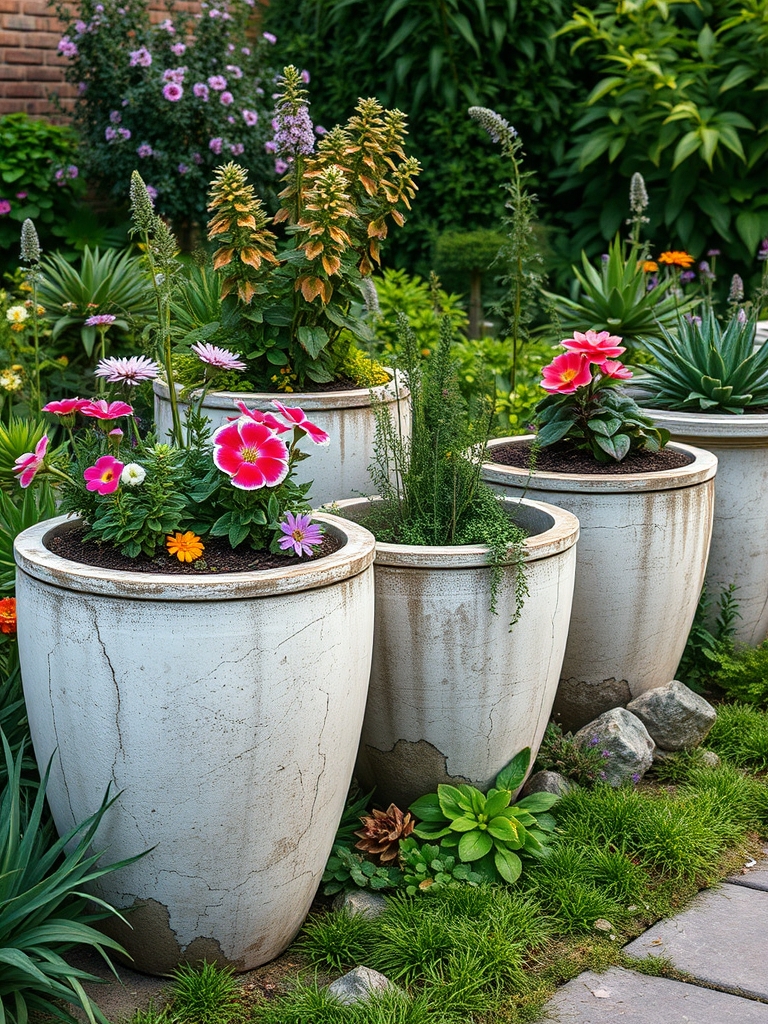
(120, 749)
(57, 751)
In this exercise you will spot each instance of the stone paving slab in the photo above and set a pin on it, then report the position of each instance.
(752, 878)
(620, 995)
(720, 939)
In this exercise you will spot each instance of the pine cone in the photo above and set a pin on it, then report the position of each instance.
(382, 833)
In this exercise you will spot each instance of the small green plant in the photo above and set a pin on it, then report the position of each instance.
(207, 994)
(430, 868)
(743, 674)
(487, 830)
(704, 367)
(710, 642)
(740, 736)
(337, 940)
(346, 870)
(558, 753)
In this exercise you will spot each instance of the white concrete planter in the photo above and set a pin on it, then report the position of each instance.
(226, 709)
(739, 552)
(455, 693)
(340, 469)
(639, 572)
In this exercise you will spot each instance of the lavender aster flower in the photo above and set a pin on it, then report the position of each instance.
(131, 371)
(687, 276)
(100, 320)
(145, 150)
(220, 358)
(200, 89)
(301, 534)
(215, 145)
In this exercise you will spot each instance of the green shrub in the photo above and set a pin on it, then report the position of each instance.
(743, 674)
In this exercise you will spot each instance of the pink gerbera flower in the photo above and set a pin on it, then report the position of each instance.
(104, 410)
(251, 454)
(66, 406)
(298, 418)
(262, 417)
(100, 320)
(616, 370)
(301, 534)
(27, 465)
(131, 370)
(566, 373)
(221, 358)
(104, 475)
(597, 346)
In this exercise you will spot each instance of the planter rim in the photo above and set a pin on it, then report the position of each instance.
(561, 536)
(308, 400)
(355, 555)
(703, 467)
(716, 426)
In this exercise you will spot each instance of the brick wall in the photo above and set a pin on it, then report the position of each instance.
(30, 66)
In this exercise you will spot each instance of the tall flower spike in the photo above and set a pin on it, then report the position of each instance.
(142, 208)
(638, 195)
(736, 293)
(497, 127)
(30, 243)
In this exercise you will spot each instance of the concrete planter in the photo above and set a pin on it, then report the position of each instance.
(340, 469)
(226, 709)
(739, 552)
(455, 693)
(640, 569)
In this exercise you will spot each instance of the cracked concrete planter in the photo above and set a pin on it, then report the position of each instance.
(739, 551)
(339, 470)
(227, 709)
(455, 693)
(639, 572)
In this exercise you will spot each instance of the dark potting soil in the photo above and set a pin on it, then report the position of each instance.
(565, 457)
(218, 556)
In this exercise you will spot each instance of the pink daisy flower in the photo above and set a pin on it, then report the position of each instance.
(104, 475)
(221, 358)
(301, 534)
(100, 320)
(251, 454)
(28, 465)
(101, 409)
(131, 370)
(298, 418)
(262, 417)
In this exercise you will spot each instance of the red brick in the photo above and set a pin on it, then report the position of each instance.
(47, 40)
(44, 74)
(7, 73)
(24, 56)
(32, 90)
(8, 7)
(12, 38)
(21, 21)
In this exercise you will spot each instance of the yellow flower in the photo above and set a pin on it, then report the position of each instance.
(25, 287)
(10, 381)
(186, 546)
(676, 258)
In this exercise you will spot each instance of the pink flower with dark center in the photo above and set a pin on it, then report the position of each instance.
(178, 49)
(144, 150)
(131, 370)
(566, 373)
(104, 475)
(27, 465)
(141, 58)
(301, 534)
(227, 99)
(298, 418)
(100, 320)
(597, 346)
(200, 89)
(101, 409)
(615, 370)
(217, 82)
(221, 358)
(262, 417)
(66, 406)
(250, 117)
(251, 454)
(173, 92)
(5, 207)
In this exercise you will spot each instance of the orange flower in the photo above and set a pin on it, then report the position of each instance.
(8, 615)
(650, 266)
(676, 259)
(186, 546)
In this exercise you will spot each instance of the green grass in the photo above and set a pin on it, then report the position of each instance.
(740, 736)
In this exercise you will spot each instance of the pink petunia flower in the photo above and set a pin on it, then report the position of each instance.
(5, 207)
(66, 406)
(215, 145)
(104, 475)
(301, 534)
(615, 370)
(132, 370)
(101, 409)
(251, 454)
(173, 92)
(145, 150)
(298, 418)
(566, 373)
(178, 49)
(597, 346)
(268, 418)
(221, 358)
(27, 465)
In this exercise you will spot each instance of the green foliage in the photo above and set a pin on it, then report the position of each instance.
(428, 868)
(43, 910)
(38, 176)
(558, 753)
(682, 103)
(207, 994)
(740, 736)
(484, 830)
(309, 1004)
(37, 504)
(743, 674)
(346, 870)
(617, 297)
(338, 940)
(422, 302)
(465, 252)
(18, 436)
(710, 641)
(705, 368)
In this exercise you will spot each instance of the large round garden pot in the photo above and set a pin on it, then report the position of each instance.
(226, 711)
(339, 470)
(455, 692)
(639, 572)
(739, 552)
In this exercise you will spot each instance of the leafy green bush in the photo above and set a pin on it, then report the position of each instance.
(743, 674)
(710, 640)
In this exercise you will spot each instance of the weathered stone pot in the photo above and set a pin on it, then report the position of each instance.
(455, 693)
(739, 552)
(227, 712)
(338, 470)
(639, 572)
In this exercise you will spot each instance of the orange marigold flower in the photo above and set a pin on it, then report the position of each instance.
(650, 266)
(674, 258)
(8, 615)
(186, 546)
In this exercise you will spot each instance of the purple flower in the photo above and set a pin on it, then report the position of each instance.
(178, 48)
(80, 27)
(172, 92)
(145, 150)
(110, 134)
(167, 25)
(152, 192)
(201, 91)
(704, 272)
(653, 282)
(301, 534)
(182, 169)
(269, 37)
(693, 319)
(250, 117)
(762, 253)
(67, 47)
(175, 75)
(131, 371)
(221, 358)
(227, 99)
(713, 252)
(124, 133)
(305, 77)
(234, 70)
(280, 166)
(100, 320)
(22, 195)
(72, 171)
(5, 207)
(687, 276)
(736, 293)
(82, 88)
(214, 13)
(635, 777)
(604, 258)
(215, 145)
(217, 82)
(594, 741)
(230, 119)
(319, 130)
(196, 158)
(605, 753)
(270, 146)
(115, 116)
(246, 50)
(237, 149)
(230, 47)
(294, 132)
(602, 776)
(741, 316)
(140, 58)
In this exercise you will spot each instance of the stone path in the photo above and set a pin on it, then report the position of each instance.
(720, 941)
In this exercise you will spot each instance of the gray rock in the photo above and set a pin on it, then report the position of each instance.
(366, 904)
(547, 782)
(579, 701)
(676, 717)
(625, 740)
(358, 985)
(710, 758)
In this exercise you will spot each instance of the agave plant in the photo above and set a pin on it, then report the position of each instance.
(705, 367)
(616, 298)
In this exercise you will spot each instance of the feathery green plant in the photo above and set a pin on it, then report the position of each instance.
(207, 994)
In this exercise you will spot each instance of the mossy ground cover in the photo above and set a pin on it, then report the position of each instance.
(494, 954)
